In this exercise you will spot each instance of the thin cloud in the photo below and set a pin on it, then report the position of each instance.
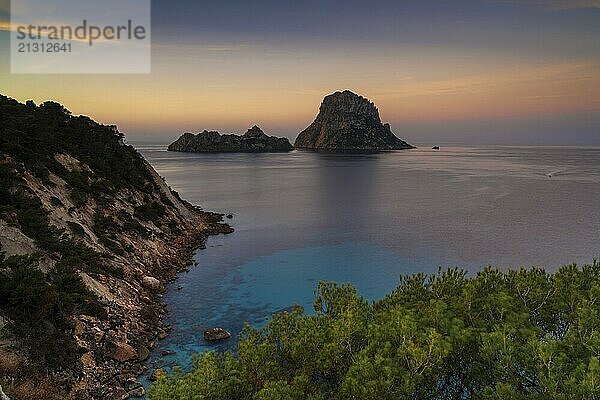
(6, 26)
(202, 47)
(556, 4)
(548, 96)
(558, 73)
(571, 4)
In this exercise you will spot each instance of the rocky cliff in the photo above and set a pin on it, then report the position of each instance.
(253, 141)
(348, 122)
(89, 233)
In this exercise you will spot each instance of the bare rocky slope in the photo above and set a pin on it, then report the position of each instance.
(89, 234)
(348, 122)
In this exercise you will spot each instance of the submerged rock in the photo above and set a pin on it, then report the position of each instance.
(289, 310)
(253, 141)
(216, 334)
(348, 122)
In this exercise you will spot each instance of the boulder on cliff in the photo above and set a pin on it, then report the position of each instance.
(150, 282)
(119, 351)
(348, 122)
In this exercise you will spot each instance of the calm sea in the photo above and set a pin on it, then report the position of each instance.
(365, 219)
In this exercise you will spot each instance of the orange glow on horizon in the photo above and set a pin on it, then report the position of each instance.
(233, 88)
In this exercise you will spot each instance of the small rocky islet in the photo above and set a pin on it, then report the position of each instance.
(346, 123)
(216, 334)
(253, 141)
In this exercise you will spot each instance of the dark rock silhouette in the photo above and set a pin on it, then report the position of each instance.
(348, 122)
(253, 141)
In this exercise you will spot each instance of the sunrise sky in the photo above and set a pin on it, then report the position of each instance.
(479, 71)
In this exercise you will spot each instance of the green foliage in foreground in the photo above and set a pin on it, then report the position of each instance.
(515, 335)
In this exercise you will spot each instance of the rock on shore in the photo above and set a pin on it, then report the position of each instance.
(348, 122)
(253, 141)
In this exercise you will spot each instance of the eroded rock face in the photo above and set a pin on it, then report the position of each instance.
(3, 396)
(253, 141)
(348, 122)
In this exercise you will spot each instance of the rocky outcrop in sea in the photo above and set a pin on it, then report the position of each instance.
(216, 334)
(348, 122)
(253, 141)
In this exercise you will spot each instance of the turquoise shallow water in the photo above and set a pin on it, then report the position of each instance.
(305, 217)
(266, 284)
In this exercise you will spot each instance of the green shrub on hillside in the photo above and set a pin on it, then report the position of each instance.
(515, 335)
(34, 135)
(40, 308)
(152, 211)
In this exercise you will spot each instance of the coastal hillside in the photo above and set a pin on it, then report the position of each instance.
(89, 233)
